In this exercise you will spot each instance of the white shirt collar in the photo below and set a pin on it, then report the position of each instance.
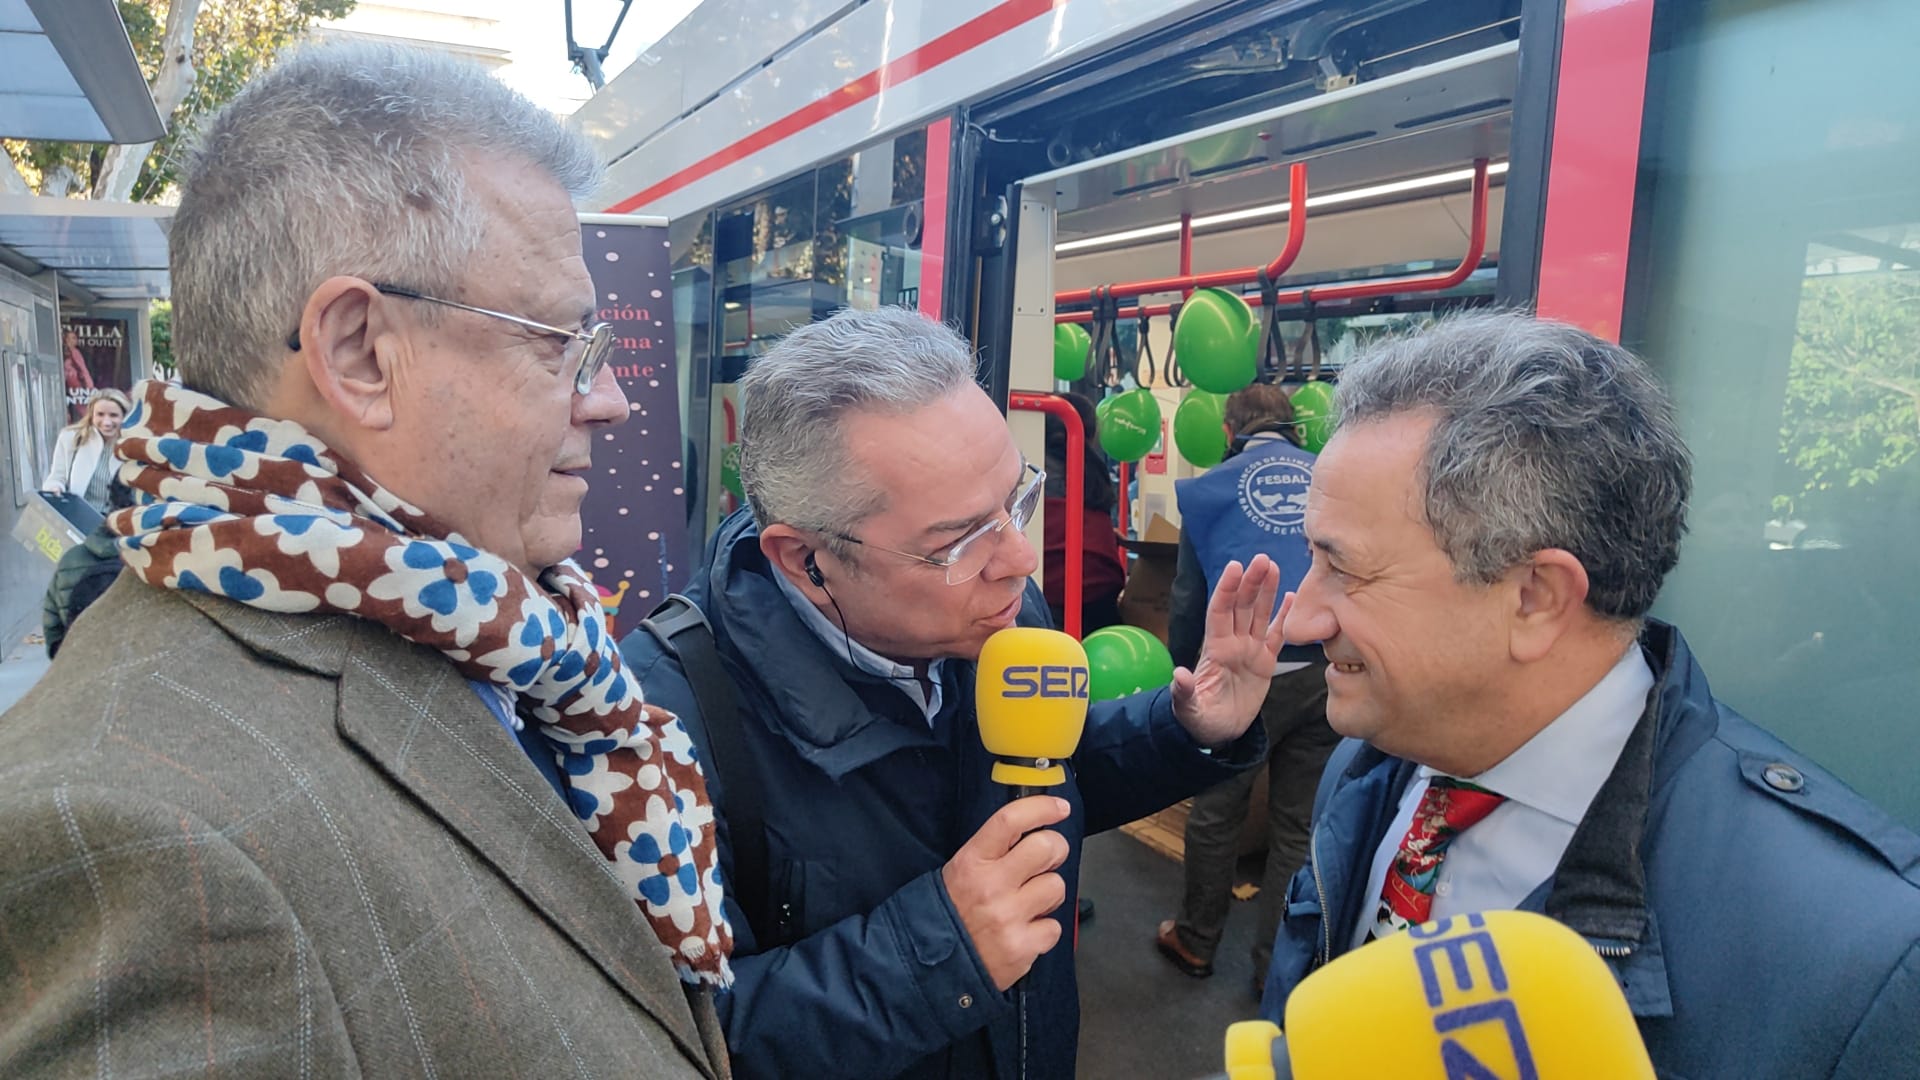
(1560, 769)
(864, 658)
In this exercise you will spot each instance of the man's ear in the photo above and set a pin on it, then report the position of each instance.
(795, 556)
(348, 342)
(1549, 598)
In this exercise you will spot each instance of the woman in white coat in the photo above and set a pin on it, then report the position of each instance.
(83, 461)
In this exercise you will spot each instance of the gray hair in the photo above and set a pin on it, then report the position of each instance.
(1545, 437)
(794, 464)
(340, 159)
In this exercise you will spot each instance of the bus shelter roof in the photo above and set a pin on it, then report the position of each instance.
(67, 71)
(116, 251)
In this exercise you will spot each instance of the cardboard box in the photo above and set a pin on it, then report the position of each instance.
(1147, 600)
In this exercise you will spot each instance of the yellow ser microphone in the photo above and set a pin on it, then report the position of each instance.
(1030, 693)
(1498, 995)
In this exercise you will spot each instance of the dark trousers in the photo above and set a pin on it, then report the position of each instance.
(1295, 713)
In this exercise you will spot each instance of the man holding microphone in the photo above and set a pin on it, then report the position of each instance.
(886, 895)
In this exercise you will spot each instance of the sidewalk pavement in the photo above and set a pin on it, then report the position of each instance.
(26, 660)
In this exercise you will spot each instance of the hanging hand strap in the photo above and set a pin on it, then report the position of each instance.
(1273, 347)
(1143, 357)
(1312, 336)
(1106, 346)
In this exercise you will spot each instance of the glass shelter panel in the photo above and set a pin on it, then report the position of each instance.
(1782, 303)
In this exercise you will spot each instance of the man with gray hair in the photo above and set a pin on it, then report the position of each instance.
(886, 894)
(1490, 525)
(343, 776)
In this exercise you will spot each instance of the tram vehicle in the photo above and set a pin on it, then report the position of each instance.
(1728, 186)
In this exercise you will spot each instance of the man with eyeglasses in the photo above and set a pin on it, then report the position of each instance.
(343, 776)
(885, 895)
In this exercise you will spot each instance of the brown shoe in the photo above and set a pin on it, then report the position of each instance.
(1168, 942)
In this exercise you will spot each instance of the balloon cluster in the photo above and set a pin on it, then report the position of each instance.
(1218, 342)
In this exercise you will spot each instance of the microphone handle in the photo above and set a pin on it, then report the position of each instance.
(1021, 791)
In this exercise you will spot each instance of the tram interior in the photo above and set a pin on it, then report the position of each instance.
(1395, 112)
(1391, 111)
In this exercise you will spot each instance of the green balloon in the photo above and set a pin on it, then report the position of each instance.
(1313, 415)
(730, 470)
(1200, 428)
(1129, 424)
(1124, 660)
(1217, 341)
(1070, 345)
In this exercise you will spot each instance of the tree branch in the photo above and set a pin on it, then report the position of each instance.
(1912, 393)
(171, 84)
(11, 181)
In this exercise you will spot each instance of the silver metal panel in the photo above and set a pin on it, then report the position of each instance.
(717, 43)
(862, 42)
(1429, 119)
(1031, 362)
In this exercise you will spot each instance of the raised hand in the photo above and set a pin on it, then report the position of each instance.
(1218, 699)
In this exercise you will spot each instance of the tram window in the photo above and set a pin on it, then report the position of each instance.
(745, 273)
(1782, 303)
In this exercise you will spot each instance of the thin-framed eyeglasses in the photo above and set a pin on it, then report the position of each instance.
(969, 555)
(598, 337)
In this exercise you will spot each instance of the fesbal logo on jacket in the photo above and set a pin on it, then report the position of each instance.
(1273, 494)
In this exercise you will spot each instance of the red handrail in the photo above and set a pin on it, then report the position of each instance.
(1057, 406)
(1296, 236)
(1186, 249)
(1361, 290)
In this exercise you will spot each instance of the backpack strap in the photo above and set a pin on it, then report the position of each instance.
(683, 631)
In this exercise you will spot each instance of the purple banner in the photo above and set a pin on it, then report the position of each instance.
(634, 543)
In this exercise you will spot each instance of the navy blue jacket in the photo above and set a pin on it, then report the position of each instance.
(1763, 919)
(861, 967)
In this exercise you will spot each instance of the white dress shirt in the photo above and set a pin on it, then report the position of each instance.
(1549, 783)
(924, 692)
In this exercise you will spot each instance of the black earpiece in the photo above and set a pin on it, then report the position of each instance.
(813, 572)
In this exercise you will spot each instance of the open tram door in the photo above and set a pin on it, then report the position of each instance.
(1340, 167)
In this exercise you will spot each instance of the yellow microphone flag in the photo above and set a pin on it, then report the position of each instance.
(1506, 994)
(1030, 692)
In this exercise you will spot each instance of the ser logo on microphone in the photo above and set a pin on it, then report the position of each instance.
(1045, 681)
(1479, 1024)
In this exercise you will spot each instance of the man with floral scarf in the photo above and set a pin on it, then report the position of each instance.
(345, 775)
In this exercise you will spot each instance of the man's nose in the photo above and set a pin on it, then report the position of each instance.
(1013, 555)
(1310, 619)
(604, 403)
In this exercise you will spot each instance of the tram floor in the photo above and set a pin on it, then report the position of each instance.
(1139, 1017)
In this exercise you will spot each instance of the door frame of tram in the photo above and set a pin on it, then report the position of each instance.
(1565, 263)
(1567, 223)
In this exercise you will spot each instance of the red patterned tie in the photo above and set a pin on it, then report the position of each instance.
(1448, 808)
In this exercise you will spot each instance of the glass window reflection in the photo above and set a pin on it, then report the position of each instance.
(1782, 303)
